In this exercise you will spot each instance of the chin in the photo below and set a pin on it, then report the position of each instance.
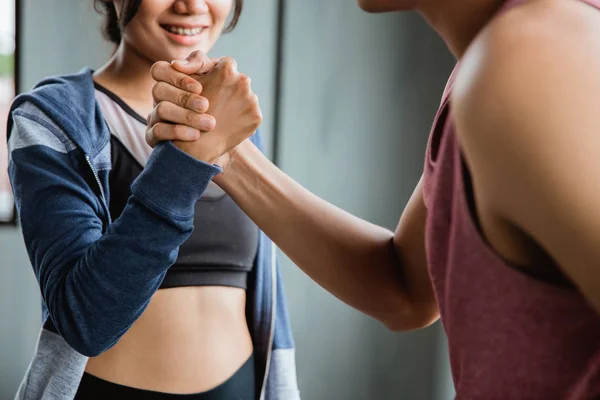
(380, 6)
(180, 53)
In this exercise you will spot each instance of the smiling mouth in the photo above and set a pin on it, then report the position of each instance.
(182, 31)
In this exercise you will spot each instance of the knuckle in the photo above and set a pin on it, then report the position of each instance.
(177, 131)
(252, 100)
(244, 82)
(151, 117)
(152, 134)
(190, 118)
(157, 90)
(183, 82)
(228, 71)
(161, 130)
(157, 67)
(228, 61)
(184, 99)
(162, 110)
(229, 66)
(258, 114)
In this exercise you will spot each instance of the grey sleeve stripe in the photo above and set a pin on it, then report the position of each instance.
(54, 372)
(26, 132)
(34, 113)
(32, 127)
(282, 383)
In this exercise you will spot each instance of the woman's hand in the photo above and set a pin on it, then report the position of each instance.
(179, 112)
(232, 104)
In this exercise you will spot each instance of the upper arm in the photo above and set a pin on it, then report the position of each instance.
(527, 116)
(409, 244)
(95, 280)
(52, 199)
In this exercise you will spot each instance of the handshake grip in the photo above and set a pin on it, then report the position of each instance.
(233, 106)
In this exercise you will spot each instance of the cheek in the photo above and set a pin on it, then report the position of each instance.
(219, 10)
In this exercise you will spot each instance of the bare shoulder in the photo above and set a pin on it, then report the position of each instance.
(529, 75)
(526, 108)
(529, 50)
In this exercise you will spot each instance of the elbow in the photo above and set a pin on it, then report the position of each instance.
(87, 346)
(91, 350)
(412, 317)
(88, 334)
(84, 338)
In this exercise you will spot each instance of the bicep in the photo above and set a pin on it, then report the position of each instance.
(77, 260)
(409, 237)
(409, 244)
(51, 197)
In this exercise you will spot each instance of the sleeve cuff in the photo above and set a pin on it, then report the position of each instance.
(173, 181)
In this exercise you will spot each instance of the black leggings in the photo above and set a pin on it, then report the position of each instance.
(241, 386)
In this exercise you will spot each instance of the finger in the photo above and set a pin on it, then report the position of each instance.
(244, 82)
(227, 63)
(163, 131)
(172, 113)
(162, 71)
(195, 63)
(163, 91)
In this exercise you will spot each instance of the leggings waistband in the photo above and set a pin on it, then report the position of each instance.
(240, 386)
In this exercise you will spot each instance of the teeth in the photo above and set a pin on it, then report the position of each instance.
(184, 31)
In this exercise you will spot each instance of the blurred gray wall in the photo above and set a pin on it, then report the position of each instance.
(358, 96)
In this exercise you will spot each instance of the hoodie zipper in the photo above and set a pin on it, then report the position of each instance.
(102, 196)
(273, 286)
(273, 316)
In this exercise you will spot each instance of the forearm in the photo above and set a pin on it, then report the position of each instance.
(351, 258)
(96, 282)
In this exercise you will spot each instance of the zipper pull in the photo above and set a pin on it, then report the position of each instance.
(102, 196)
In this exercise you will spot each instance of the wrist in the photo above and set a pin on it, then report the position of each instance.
(158, 181)
(199, 150)
(242, 167)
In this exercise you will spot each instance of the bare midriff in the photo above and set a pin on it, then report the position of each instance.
(188, 340)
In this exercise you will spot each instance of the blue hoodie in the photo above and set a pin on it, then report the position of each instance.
(97, 276)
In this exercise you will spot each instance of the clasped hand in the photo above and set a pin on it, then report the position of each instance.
(205, 106)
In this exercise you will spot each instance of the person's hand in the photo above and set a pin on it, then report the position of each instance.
(180, 110)
(233, 105)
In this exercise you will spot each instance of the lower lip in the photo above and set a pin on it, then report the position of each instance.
(185, 39)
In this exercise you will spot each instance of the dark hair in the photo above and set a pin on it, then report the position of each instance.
(113, 26)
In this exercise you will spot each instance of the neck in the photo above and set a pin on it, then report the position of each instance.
(458, 23)
(127, 74)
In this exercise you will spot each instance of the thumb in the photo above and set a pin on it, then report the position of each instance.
(196, 63)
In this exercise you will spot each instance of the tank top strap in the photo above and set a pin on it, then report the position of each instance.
(593, 3)
(512, 3)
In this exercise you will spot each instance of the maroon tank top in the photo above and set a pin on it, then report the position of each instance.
(512, 336)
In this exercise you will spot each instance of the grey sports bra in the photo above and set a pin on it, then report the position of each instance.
(222, 249)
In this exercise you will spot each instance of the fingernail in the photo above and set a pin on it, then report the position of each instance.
(180, 61)
(198, 105)
(206, 125)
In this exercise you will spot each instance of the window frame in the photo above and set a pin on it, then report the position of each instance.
(17, 85)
